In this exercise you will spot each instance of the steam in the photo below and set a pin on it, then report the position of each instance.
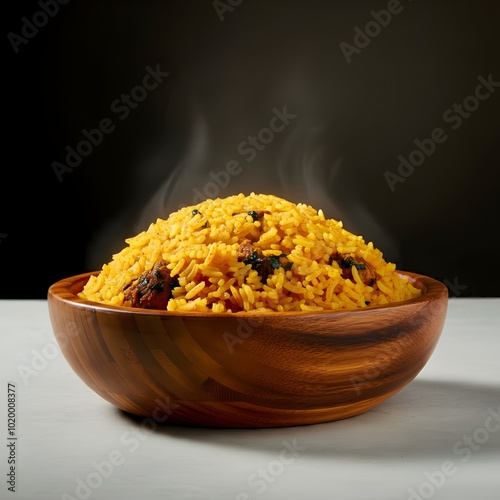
(300, 169)
(174, 192)
(302, 163)
(310, 174)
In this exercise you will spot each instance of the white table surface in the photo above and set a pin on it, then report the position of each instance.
(441, 419)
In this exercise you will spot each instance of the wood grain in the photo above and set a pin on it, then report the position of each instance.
(247, 370)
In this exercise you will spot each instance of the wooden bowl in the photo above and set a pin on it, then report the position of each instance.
(247, 370)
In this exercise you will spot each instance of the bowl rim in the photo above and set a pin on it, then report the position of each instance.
(63, 291)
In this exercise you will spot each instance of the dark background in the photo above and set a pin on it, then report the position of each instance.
(225, 77)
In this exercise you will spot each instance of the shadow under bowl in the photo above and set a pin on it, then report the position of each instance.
(247, 370)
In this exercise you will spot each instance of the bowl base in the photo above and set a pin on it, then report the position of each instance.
(241, 415)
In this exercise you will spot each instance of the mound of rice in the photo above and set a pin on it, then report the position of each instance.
(313, 263)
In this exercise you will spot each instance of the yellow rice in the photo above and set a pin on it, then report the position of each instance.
(201, 249)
